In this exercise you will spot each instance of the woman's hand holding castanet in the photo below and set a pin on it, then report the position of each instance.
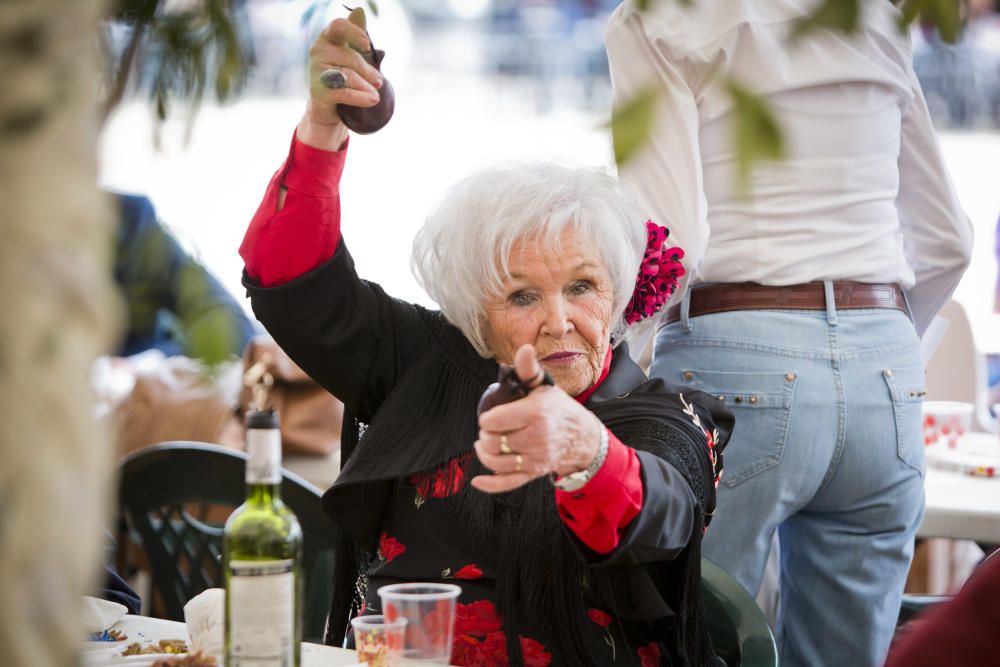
(337, 47)
(545, 432)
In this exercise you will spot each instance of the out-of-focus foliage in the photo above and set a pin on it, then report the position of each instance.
(945, 15)
(631, 124)
(756, 135)
(176, 49)
(842, 15)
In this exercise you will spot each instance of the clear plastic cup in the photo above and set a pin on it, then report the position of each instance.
(429, 610)
(378, 641)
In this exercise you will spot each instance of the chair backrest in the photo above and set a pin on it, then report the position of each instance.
(957, 370)
(170, 495)
(737, 626)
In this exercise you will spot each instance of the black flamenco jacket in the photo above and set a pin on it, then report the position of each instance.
(411, 381)
(430, 418)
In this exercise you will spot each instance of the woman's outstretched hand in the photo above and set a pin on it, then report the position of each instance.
(546, 431)
(337, 47)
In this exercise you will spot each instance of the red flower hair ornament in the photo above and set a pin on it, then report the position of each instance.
(659, 275)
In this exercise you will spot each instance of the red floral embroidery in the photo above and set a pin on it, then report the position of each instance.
(471, 571)
(477, 618)
(534, 653)
(465, 650)
(441, 482)
(390, 547)
(658, 277)
(492, 652)
(479, 642)
(649, 655)
(603, 619)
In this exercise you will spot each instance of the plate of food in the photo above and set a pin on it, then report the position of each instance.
(130, 642)
(103, 644)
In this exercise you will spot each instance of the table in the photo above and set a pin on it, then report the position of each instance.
(962, 507)
(150, 630)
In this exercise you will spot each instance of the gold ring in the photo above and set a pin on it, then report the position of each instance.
(518, 462)
(504, 445)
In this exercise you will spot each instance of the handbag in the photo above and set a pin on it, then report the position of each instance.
(310, 417)
(172, 398)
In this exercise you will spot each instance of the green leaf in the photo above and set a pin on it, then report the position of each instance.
(132, 11)
(211, 340)
(209, 331)
(186, 50)
(632, 124)
(840, 15)
(160, 101)
(373, 7)
(945, 15)
(756, 135)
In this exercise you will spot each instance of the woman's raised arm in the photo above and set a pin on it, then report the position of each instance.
(344, 332)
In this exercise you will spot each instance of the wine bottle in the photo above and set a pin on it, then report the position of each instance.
(262, 560)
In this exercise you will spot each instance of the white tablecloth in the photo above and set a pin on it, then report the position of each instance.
(961, 506)
(147, 630)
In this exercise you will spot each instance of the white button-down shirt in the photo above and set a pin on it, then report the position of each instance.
(863, 193)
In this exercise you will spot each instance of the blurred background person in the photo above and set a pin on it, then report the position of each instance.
(172, 300)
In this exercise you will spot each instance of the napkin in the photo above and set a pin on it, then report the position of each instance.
(99, 615)
(204, 615)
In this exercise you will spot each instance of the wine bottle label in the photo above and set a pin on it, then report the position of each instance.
(263, 456)
(261, 613)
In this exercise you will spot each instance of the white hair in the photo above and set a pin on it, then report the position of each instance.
(461, 254)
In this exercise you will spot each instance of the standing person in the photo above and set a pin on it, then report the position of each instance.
(806, 295)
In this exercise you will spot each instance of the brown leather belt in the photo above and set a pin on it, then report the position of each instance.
(847, 294)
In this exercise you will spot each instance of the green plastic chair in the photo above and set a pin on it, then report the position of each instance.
(737, 626)
(161, 485)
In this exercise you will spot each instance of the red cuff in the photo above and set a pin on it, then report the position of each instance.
(313, 171)
(600, 512)
(281, 245)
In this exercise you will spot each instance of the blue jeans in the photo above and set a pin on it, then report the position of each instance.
(828, 451)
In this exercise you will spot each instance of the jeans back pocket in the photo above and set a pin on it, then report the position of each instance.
(762, 404)
(906, 388)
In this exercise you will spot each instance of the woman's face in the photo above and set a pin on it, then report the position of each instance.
(560, 303)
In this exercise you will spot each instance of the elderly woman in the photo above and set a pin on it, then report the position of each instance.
(572, 517)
